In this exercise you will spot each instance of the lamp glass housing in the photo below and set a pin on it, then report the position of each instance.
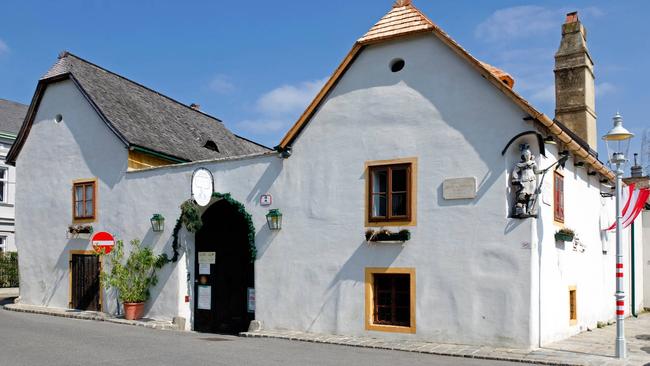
(274, 219)
(618, 141)
(157, 223)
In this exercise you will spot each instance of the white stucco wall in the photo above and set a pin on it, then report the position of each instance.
(80, 146)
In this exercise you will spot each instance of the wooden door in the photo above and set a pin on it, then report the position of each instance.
(84, 270)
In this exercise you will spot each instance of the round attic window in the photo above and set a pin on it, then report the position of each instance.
(397, 65)
(58, 118)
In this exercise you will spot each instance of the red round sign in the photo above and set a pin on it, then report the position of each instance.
(103, 242)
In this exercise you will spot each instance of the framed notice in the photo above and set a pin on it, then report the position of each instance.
(204, 298)
(204, 268)
(207, 257)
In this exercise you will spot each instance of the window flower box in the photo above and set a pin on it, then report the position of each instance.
(79, 232)
(386, 235)
(565, 234)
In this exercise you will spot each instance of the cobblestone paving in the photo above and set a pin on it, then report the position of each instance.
(588, 348)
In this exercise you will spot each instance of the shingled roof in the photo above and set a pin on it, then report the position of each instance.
(142, 117)
(12, 115)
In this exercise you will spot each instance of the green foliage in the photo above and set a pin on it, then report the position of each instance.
(134, 277)
(8, 269)
(191, 218)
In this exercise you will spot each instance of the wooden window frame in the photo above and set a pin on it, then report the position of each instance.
(84, 182)
(573, 305)
(370, 300)
(558, 202)
(101, 267)
(411, 193)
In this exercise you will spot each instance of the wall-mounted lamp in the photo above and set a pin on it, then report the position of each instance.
(157, 222)
(579, 164)
(274, 219)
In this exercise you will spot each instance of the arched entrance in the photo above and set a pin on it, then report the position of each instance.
(223, 271)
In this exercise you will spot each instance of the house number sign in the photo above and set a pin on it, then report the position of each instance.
(202, 186)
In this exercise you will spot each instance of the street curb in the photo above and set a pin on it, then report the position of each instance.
(386, 345)
(87, 315)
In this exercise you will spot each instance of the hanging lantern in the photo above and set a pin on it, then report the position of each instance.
(274, 219)
(157, 222)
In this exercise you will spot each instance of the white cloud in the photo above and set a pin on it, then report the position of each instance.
(605, 88)
(289, 99)
(279, 108)
(3, 47)
(222, 84)
(526, 21)
(517, 22)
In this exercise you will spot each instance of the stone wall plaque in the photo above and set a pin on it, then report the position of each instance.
(459, 188)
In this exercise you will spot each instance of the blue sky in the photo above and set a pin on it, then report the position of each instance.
(257, 64)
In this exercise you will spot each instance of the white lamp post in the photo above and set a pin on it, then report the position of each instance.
(618, 143)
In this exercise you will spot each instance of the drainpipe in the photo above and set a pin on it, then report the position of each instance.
(633, 273)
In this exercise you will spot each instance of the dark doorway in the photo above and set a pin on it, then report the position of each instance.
(84, 269)
(223, 272)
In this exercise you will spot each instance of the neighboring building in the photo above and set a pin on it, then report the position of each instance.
(12, 115)
(410, 132)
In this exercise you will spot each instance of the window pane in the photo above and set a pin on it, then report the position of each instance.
(3, 173)
(89, 209)
(2, 191)
(399, 204)
(89, 192)
(399, 180)
(379, 205)
(78, 209)
(379, 181)
(78, 193)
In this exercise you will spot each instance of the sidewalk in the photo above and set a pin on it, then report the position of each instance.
(588, 348)
(90, 315)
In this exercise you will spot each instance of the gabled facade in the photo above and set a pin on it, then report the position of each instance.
(411, 136)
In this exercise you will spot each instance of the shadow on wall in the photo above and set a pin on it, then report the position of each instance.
(353, 270)
(61, 272)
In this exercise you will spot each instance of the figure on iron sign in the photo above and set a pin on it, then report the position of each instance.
(524, 177)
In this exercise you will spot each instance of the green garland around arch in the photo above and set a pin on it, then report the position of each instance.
(191, 218)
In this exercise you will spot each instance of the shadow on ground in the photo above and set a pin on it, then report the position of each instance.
(6, 300)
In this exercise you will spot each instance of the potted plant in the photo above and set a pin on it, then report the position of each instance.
(134, 277)
(565, 234)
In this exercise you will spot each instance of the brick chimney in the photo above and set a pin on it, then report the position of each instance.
(575, 100)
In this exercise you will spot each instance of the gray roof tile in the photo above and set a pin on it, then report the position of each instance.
(12, 115)
(149, 119)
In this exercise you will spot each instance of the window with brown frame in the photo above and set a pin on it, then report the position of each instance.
(558, 197)
(390, 191)
(573, 307)
(392, 299)
(83, 200)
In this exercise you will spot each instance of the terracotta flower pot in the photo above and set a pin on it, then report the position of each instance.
(133, 310)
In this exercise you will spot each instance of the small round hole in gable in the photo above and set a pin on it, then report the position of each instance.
(397, 65)
(58, 118)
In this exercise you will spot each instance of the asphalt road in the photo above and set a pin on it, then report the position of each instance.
(30, 339)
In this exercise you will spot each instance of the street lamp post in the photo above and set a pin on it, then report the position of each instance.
(618, 142)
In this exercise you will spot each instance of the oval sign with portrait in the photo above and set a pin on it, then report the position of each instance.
(202, 186)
